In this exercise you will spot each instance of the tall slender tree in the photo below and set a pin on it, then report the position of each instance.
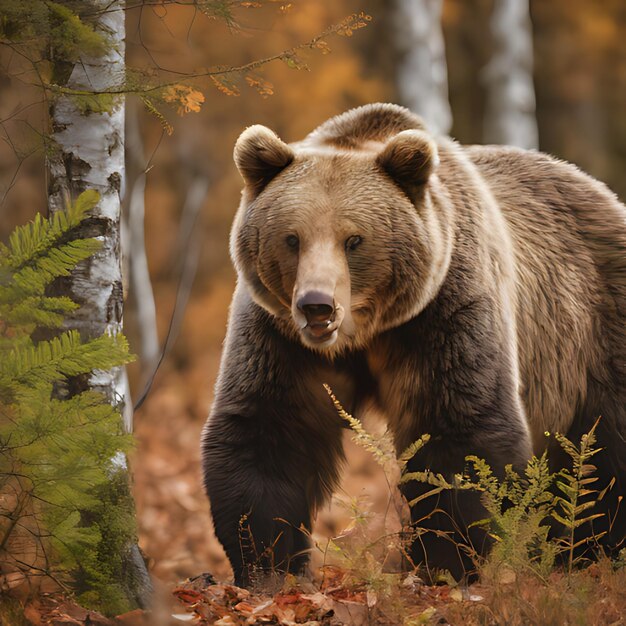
(422, 75)
(135, 262)
(510, 111)
(88, 153)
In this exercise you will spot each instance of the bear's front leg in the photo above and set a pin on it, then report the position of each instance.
(270, 447)
(454, 371)
(444, 523)
(259, 502)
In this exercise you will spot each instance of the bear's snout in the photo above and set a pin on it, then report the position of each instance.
(317, 307)
(318, 316)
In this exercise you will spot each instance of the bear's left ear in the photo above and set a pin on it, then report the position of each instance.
(260, 155)
(409, 158)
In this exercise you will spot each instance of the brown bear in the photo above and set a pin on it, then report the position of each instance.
(473, 293)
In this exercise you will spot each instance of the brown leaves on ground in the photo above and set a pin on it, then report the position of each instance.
(337, 601)
(594, 596)
(296, 603)
(58, 610)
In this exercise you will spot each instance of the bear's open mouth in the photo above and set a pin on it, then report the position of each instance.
(320, 332)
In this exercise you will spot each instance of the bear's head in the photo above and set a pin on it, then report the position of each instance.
(343, 234)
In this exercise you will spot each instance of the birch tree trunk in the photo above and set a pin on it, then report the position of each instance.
(510, 112)
(422, 75)
(89, 154)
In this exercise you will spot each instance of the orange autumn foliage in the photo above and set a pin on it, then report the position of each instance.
(187, 98)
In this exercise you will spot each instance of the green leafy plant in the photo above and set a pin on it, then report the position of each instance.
(59, 447)
(519, 506)
(572, 507)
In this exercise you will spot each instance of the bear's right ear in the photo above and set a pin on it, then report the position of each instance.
(409, 158)
(260, 155)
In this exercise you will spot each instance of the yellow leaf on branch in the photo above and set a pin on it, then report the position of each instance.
(187, 98)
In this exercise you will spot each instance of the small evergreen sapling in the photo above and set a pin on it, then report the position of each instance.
(57, 448)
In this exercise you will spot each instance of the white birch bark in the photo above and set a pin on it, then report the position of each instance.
(510, 112)
(89, 154)
(422, 74)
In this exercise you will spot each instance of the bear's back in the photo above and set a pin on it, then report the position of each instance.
(569, 237)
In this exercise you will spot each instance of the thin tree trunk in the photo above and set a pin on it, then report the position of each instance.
(510, 113)
(422, 75)
(89, 154)
(134, 246)
(188, 252)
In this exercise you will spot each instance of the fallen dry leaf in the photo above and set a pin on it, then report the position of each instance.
(32, 613)
(353, 613)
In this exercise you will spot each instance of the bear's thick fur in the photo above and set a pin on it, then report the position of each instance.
(474, 293)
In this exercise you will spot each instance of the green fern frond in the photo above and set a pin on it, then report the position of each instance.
(568, 507)
(427, 477)
(32, 279)
(65, 355)
(27, 243)
(42, 311)
(380, 452)
(412, 450)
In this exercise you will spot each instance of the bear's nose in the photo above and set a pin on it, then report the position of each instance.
(317, 307)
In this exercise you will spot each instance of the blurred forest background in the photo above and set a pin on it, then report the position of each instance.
(192, 188)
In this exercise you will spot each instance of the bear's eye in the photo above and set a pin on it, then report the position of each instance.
(352, 243)
(292, 241)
